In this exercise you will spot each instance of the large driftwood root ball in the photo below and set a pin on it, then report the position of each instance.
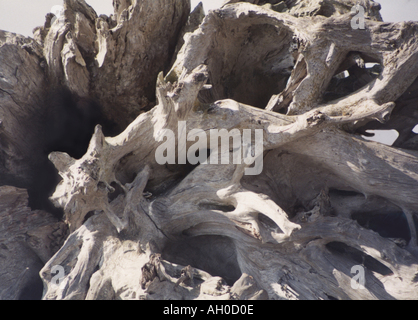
(118, 181)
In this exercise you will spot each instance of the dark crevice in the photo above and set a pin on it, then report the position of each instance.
(70, 122)
(352, 76)
(175, 175)
(344, 193)
(118, 191)
(358, 257)
(388, 225)
(66, 124)
(167, 176)
(33, 289)
(213, 254)
(215, 206)
(41, 186)
(88, 216)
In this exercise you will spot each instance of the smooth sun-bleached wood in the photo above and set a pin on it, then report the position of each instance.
(289, 233)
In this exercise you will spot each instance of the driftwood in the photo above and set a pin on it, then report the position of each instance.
(325, 200)
(28, 239)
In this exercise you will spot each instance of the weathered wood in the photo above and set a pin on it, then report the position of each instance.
(28, 239)
(326, 200)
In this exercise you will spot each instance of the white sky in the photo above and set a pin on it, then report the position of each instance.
(384, 136)
(208, 4)
(21, 16)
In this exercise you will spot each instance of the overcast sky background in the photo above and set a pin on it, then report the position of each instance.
(21, 16)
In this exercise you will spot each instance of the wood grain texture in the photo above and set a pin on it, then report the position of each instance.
(326, 200)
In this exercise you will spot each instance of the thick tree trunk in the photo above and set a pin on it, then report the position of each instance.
(325, 203)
